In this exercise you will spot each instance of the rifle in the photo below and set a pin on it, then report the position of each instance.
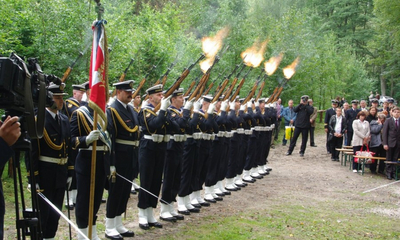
(212, 84)
(205, 77)
(178, 81)
(196, 80)
(69, 69)
(272, 95)
(230, 88)
(262, 85)
(238, 87)
(163, 78)
(137, 91)
(123, 75)
(252, 91)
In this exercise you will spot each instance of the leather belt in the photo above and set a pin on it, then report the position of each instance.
(98, 148)
(127, 142)
(59, 161)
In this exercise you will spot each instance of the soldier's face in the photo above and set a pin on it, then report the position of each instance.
(137, 100)
(156, 97)
(124, 96)
(237, 105)
(262, 105)
(177, 101)
(78, 95)
(58, 100)
(362, 104)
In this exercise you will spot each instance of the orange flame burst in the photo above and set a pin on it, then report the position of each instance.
(211, 45)
(206, 64)
(254, 55)
(272, 64)
(291, 69)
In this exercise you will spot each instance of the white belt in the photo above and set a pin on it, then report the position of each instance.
(270, 129)
(206, 136)
(188, 136)
(167, 138)
(221, 134)
(248, 132)
(258, 128)
(179, 138)
(229, 134)
(127, 142)
(197, 135)
(272, 125)
(240, 130)
(98, 148)
(59, 161)
(155, 137)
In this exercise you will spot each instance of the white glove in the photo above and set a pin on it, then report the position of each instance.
(211, 108)
(242, 107)
(224, 104)
(145, 103)
(196, 106)
(188, 104)
(274, 105)
(29, 187)
(37, 187)
(249, 103)
(257, 103)
(112, 170)
(93, 136)
(232, 105)
(69, 180)
(165, 102)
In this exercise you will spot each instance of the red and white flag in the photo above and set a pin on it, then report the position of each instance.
(98, 72)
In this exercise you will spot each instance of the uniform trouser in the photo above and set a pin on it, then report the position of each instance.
(223, 166)
(214, 161)
(304, 138)
(392, 154)
(250, 153)
(336, 142)
(151, 164)
(201, 164)
(261, 146)
(83, 187)
(277, 128)
(312, 130)
(242, 153)
(233, 156)
(349, 137)
(49, 217)
(188, 173)
(119, 191)
(172, 172)
(267, 146)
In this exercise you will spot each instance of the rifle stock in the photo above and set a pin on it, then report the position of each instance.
(137, 91)
(218, 94)
(272, 95)
(190, 88)
(260, 90)
(69, 69)
(251, 93)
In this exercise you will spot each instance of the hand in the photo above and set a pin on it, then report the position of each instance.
(113, 171)
(196, 106)
(291, 121)
(256, 103)
(386, 147)
(232, 105)
(211, 108)
(326, 130)
(165, 102)
(93, 136)
(188, 104)
(144, 103)
(249, 104)
(224, 104)
(242, 107)
(37, 187)
(10, 130)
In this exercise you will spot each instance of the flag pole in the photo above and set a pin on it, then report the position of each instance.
(92, 179)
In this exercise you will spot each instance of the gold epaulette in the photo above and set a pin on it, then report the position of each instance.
(72, 102)
(121, 121)
(177, 112)
(50, 143)
(71, 167)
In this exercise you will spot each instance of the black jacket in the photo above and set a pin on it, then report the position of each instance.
(303, 116)
(332, 124)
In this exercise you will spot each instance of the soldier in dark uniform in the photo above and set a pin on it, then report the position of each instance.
(69, 106)
(123, 127)
(252, 136)
(259, 135)
(328, 114)
(173, 159)
(50, 162)
(82, 137)
(244, 132)
(270, 119)
(136, 103)
(350, 116)
(151, 154)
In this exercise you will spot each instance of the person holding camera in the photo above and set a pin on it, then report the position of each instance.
(51, 163)
(10, 131)
(302, 125)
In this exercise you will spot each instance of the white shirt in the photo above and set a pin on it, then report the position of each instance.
(52, 114)
(338, 126)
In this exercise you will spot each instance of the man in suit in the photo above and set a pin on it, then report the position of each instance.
(391, 140)
(50, 161)
(123, 127)
(350, 116)
(312, 121)
(328, 114)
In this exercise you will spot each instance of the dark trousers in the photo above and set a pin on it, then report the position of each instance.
(355, 149)
(233, 156)
(392, 154)
(188, 173)
(267, 146)
(49, 217)
(277, 128)
(304, 138)
(349, 137)
(214, 161)
(242, 153)
(328, 146)
(250, 153)
(312, 130)
(151, 164)
(82, 198)
(223, 166)
(336, 142)
(119, 191)
(261, 147)
(172, 172)
(379, 152)
(202, 163)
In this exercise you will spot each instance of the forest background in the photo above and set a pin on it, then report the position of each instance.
(347, 48)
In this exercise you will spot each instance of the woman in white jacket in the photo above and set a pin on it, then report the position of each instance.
(361, 135)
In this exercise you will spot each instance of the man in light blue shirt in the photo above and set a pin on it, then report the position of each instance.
(290, 116)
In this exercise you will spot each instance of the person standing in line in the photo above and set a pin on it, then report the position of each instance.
(375, 145)
(363, 105)
(279, 110)
(302, 125)
(136, 103)
(337, 128)
(391, 140)
(328, 114)
(312, 121)
(290, 117)
(350, 116)
(361, 134)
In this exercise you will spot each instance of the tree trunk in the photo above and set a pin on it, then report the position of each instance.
(383, 82)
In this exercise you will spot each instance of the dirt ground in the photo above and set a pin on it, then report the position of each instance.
(294, 179)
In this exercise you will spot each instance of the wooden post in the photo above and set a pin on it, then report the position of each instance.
(92, 180)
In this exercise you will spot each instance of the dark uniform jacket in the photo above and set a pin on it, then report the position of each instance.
(350, 116)
(69, 106)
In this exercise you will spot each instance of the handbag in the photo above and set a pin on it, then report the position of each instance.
(330, 137)
(364, 154)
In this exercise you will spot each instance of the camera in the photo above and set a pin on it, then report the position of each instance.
(304, 98)
(23, 88)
